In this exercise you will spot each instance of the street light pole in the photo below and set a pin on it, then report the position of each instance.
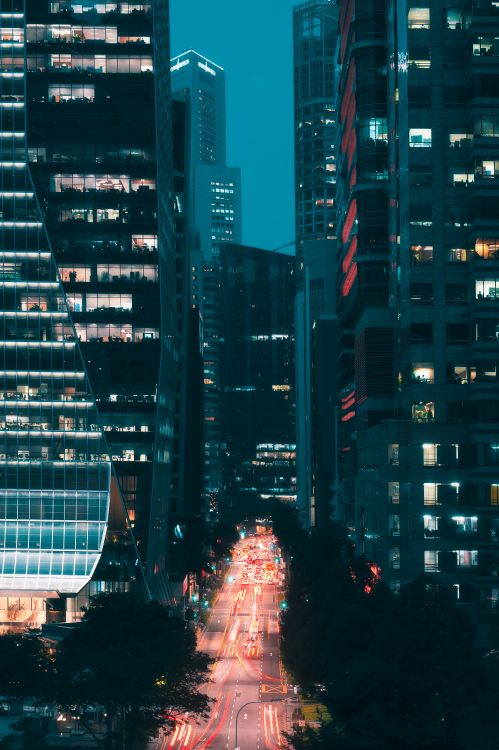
(250, 703)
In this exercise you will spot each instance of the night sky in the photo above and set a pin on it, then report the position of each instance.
(253, 42)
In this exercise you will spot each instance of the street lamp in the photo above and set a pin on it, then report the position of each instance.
(249, 703)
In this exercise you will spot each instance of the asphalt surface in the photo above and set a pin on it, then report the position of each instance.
(242, 634)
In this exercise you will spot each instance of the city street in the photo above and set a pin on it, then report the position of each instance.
(242, 634)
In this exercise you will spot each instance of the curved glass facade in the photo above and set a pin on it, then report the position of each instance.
(54, 466)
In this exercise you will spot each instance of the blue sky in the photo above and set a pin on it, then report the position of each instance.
(253, 42)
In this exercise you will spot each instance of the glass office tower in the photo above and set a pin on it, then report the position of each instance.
(315, 35)
(99, 149)
(54, 465)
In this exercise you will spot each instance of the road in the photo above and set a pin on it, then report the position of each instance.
(242, 634)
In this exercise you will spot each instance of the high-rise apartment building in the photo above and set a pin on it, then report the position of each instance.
(315, 35)
(417, 222)
(98, 137)
(215, 219)
(257, 290)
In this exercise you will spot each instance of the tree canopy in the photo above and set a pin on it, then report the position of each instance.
(134, 660)
(395, 671)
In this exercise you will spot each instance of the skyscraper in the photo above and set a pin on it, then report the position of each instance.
(417, 279)
(54, 464)
(257, 290)
(315, 35)
(215, 219)
(98, 147)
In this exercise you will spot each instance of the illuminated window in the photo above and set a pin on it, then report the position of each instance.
(458, 255)
(456, 140)
(486, 45)
(420, 137)
(421, 254)
(454, 18)
(487, 249)
(466, 558)
(423, 412)
(394, 492)
(431, 561)
(466, 524)
(430, 525)
(394, 525)
(394, 558)
(430, 493)
(373, 129)
(487, 289)
(462, 178)
(423, 372)
(393, 454)
(494, 494)
(430, 454)
(418, 18)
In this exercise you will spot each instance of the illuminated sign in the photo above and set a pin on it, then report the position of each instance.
(179, 65)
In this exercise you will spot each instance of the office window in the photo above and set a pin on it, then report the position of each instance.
(454, 18)
(494, 494)
(418, 18)
(487, 249)
(457, 140)
(421, 254)
(423, 372)
(457, 255)
(419, 57)
(487, 289)
(420, 137)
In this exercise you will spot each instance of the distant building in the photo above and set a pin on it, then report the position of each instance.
(418, 223)
(215, 219)
(315, 36)
(204, 80)
(257, 290)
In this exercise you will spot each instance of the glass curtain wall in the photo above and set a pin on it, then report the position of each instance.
(54, 466)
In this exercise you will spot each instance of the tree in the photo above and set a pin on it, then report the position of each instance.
(135, 660)
(26, 667)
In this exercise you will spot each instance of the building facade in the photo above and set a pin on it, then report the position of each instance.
(99, 151)
(416, 277)
(54, 463)
(214, 220)
(257, 290)
(315, 35)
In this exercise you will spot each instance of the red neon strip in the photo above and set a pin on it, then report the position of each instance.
(353, 177)
(351, 276)
(347, 93)
(350, 395)
(347, 226)
(347, 417)
(348, 404)
(345, 28)
(350, 254)
(352, 147)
